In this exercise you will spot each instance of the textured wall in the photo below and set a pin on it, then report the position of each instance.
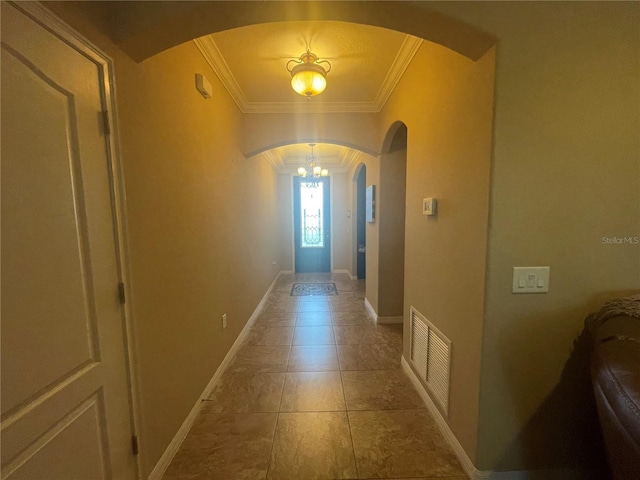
(446, 102)
(202, 233)
(392, 195)
(566, 172)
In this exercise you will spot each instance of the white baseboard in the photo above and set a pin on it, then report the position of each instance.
(171, 450)
(465, 461)
(284, 272)
(376, 318)
(370, 310)
(347, 272)
(397, 319)
(467, 465)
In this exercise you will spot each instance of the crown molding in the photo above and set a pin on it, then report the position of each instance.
(216, 61)
(209, 50)
(407, 51)
(274, 159)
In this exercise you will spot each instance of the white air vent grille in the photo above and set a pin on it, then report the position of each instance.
(431, 358)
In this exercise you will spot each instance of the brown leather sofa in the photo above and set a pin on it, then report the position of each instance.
(615, 374)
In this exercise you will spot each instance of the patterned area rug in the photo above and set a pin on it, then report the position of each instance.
(313, 289)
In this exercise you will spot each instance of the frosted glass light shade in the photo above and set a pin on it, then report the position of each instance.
(308, 80)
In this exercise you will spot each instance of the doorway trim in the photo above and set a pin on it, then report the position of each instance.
(40, 14)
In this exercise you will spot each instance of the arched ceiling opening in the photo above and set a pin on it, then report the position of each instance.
(336, 158)
(248, 44)
(143, 29)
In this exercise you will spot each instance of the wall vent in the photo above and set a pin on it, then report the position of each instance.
(431, 358)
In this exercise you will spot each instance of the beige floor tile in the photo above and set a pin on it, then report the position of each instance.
(313, 358)
(312, 392)
(379, 390)
(348, 307)
(314, 306)
(282, 293)
(350, 334)
(226, 446)
(351, 318)
(246, 392)
(400, 443)
(269, 335)
(276, 319)
(384, 334)
(367, 333)
(310, 436)
(316, 298)
(280, 307)
(322, 335)
(313, 445)
(282, 299)
(378, 356)
(263, 358)
(313, 319)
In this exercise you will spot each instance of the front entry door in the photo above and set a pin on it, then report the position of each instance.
(65, 396)
(311, 223)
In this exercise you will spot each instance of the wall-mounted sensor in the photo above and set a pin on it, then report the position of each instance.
(429, 206)
(203, 85)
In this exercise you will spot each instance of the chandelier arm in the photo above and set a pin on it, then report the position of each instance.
(327, 62)
(294, 60)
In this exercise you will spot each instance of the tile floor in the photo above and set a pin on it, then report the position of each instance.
(316, 391)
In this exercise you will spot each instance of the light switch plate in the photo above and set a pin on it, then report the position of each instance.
(530, 280)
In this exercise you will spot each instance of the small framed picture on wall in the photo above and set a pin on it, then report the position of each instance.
(371, 203)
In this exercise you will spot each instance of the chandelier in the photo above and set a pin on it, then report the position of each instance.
(315, 171)
(308, 76)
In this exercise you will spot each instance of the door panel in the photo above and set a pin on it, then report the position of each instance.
(312, 220)
(65, 397)
(50, 458)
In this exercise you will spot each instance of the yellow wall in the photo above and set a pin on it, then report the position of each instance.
(341, 225)
(391, 205)
(372, 232)
(285, 222)
(566, 172)
(270, 130)
(200, 244)
(446, 102)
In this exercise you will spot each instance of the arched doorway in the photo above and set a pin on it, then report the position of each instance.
(392, 195)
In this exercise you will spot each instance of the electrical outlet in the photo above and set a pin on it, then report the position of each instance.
(224, 320)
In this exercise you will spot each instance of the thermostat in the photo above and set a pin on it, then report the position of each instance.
(429, 206)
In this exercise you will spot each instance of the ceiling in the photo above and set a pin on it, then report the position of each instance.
(336, 158)
(366, 64)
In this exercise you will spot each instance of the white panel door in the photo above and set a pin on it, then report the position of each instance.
(65, 397)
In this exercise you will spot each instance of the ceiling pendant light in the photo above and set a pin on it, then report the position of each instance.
(315, 171)
(308, 76)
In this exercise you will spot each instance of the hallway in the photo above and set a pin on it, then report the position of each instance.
(316, 391)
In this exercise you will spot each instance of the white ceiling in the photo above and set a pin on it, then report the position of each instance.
(367, 63)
